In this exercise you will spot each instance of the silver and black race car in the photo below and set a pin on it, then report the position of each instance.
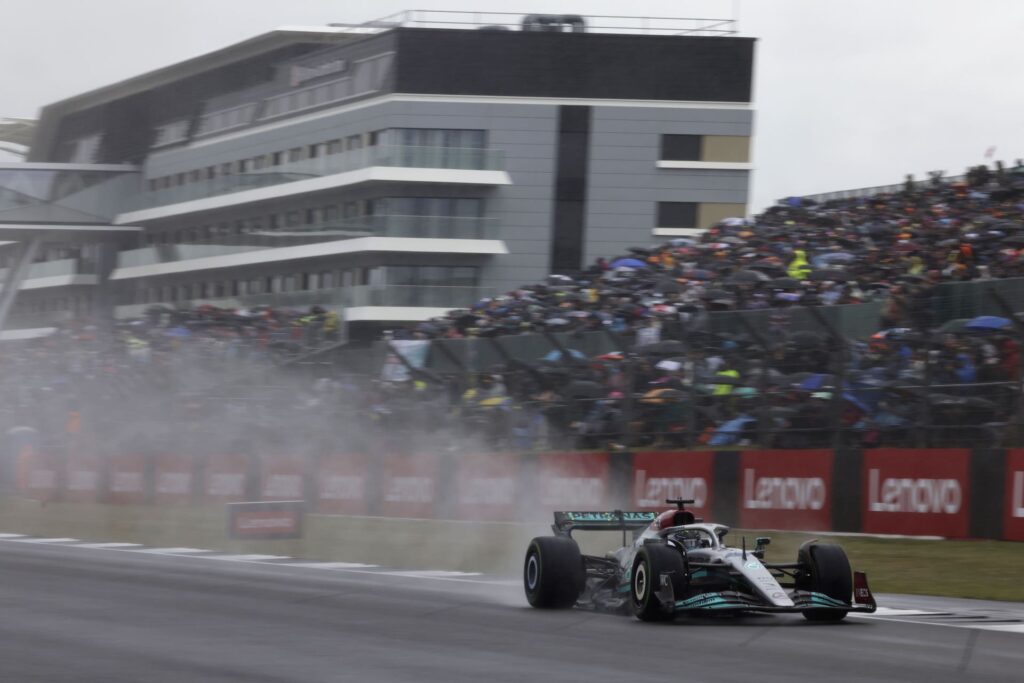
(678, 564)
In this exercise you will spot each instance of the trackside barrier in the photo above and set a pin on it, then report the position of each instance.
(955, 493)
(1013, 507)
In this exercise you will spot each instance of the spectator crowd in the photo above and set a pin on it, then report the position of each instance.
(221, 377)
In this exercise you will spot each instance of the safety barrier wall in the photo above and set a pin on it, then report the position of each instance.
(955, 493)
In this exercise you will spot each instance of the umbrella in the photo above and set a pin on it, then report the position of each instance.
(628, 263)
(833, 275)
(556, 355)
(669, 347)
(669, 286)
(953, 326)
(783, 283)
(834, 257)
(815, 382)
(1017, 239)
(987, 322)
(559, 280)
(748, 277)
(699, 274)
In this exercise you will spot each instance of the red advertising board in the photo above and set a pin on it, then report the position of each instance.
(1013, 518)
(658, 475)
(922, 492)
(127, 482)
(174, 479)
(341, 485)
(83, 478)
(786, 490)
(409, 485)
(573, 481)
(224, 478)
(283, 478)
(39, 475)
(487, 487)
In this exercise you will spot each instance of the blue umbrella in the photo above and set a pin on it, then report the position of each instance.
(987, 322)
(812, 383)
(628, 263)
(557, 355)
(831, 258)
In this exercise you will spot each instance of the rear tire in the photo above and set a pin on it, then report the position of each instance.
(653, 560)
(553, 573)
(827, 572)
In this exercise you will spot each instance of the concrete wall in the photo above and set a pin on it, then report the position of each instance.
(625, 184)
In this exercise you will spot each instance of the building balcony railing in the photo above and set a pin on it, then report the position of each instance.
(394, 225)
(396, 156)
(56, 268)
(403, 296)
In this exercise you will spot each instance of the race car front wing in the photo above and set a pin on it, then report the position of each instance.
(863, 600)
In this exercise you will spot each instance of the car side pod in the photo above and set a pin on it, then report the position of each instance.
(862, 596)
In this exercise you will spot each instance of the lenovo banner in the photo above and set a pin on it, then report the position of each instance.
(1013, 519)
(266, 520)
(225, 477)
(573, 481)
(283, 478)
(660, 475)
(127, 484)
(786, 490)
(341, 485)
(83, 478)
(409, 485)
(174, 479)
(487, 487)
(916, 492)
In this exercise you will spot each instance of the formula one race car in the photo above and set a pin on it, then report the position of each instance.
(679, 565)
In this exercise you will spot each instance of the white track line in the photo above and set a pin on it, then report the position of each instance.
(43, 540)
(10, 536)
(246, 558)
(168, 551)
(105, 546)
(330, 565)
(431, 574)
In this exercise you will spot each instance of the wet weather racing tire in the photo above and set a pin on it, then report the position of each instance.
(653, 560)
(553, 573)
(827, 571)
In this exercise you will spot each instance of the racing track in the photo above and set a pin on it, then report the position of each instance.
(89, 614)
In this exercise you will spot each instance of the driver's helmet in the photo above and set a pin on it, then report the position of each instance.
(692, 539)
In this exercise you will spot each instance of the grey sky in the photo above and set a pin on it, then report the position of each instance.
(848, 94)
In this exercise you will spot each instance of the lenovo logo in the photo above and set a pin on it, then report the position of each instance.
(653, 492)
(783, 493)
(913, 495)
(410, 490)
(1018, 494)
(487, 491)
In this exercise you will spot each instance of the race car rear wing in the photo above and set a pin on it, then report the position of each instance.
(615, 520)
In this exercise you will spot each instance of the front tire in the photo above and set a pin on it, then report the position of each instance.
(826, 571)
(653, 560)
(553, 573)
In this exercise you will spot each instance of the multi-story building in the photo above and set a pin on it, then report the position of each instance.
(392, 170)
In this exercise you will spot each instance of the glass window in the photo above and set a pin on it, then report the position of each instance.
(681, 147)
(335, 146)
(677, 215)
(295, 154)
(354, 142)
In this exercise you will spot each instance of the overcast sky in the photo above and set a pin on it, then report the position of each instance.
(848, 94)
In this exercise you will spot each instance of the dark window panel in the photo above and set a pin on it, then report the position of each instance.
(681, 147)
(677, 215)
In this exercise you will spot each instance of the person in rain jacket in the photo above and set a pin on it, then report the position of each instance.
(799, 268)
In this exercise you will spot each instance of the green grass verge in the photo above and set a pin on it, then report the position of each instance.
(988, 570)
